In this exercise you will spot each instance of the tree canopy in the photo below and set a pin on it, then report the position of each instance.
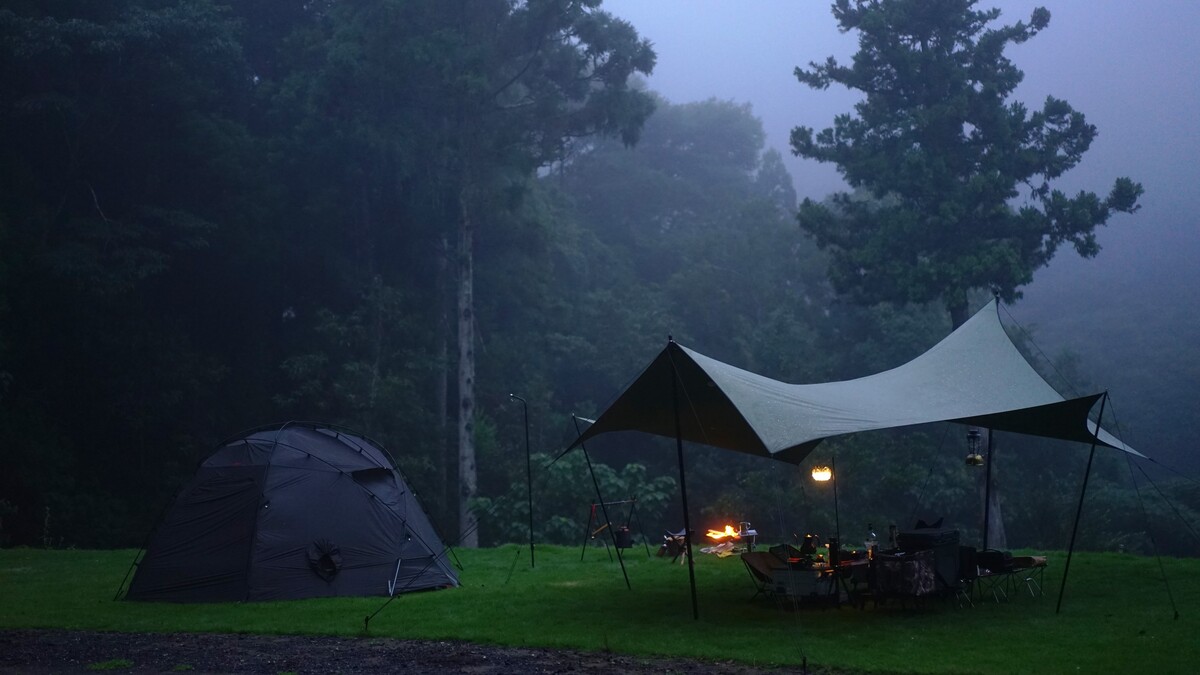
(219, 215)
(953, 177)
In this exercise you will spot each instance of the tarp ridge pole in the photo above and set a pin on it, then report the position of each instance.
(603, 507)
(1079, 511)
(687, 522)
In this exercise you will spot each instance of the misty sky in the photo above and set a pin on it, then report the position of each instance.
(1133, 68)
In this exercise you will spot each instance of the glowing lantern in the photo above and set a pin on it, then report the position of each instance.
(973, 456)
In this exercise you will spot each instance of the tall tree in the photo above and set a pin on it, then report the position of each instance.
(515, 83)
(123, 157)
(938, 153)
(941, 152)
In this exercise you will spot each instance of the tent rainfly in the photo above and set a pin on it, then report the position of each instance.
(293, 511)
(974, 376)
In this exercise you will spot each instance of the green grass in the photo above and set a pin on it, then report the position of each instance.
(1116, 616)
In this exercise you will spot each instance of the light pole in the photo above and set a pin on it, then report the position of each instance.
(528, 473)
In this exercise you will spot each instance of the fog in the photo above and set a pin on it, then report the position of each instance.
(1131, 68)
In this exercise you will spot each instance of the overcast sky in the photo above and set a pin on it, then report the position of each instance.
(1131, 66)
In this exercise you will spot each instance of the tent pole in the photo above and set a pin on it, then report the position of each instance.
(1079, 511)
(987, 493)
(687, 523)
(603, 507)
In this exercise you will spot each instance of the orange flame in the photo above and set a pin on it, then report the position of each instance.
(718, 535)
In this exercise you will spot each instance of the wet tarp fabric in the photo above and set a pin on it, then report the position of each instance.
(974, 376)
(248, 525)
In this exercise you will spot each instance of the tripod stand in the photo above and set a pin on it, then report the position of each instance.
(598, 522)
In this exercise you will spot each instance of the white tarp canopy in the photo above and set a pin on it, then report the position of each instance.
(974, 376)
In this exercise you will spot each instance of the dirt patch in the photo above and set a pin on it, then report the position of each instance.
(57, 651)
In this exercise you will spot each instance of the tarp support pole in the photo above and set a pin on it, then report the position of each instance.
(1079, 511)
(603, 507)
(987, 493)
(687, 522)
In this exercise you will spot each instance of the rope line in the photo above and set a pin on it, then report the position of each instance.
(1150, 533)
(1171, 504)
(928, 476)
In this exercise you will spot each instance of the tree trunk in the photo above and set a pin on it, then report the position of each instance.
(997, 538)
(467, 482)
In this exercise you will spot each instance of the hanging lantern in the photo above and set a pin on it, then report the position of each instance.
(822, 473)
(973, 456)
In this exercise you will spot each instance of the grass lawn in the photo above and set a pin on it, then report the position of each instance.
(1116, 616)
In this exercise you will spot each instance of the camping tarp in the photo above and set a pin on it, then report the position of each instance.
(974, 376)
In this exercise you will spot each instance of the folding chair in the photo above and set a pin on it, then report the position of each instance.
(761, 565)
(1029, 571)
(995, 574)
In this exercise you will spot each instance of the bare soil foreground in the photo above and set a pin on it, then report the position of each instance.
(59, 651)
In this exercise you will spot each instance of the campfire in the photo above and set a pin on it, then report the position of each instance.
(728, 533)
(729, 540)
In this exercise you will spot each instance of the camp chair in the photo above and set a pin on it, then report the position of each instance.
(995, 574)
(787, 552)
(761, 565)
(1029, 571)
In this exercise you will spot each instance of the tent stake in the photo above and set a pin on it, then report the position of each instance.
(1079, 511)
(687, 523)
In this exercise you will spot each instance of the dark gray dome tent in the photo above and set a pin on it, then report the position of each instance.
(300, 510)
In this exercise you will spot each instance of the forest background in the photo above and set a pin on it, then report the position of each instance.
(214, 217)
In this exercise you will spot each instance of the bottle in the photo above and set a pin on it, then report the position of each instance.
(872, 541)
